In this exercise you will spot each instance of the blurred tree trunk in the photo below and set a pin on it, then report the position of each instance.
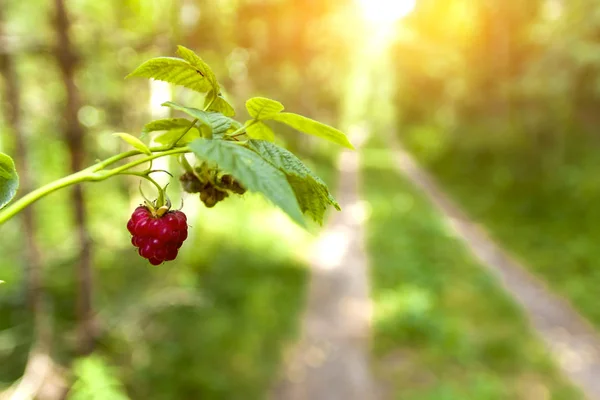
(74, 137)
(12, 114)
(39, 364)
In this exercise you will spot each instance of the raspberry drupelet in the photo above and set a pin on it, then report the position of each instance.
(158, 238)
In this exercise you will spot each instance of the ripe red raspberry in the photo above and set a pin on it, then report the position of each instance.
(157, 238)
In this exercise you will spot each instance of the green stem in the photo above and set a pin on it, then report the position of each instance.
(97, 172)
(232, 136)
(185, 164)
(211, 102)
(194, 123)
(90, 174)
(209, 134)
(241, 131)
(114, 171)
(37, 194)
(184, 132)
(111, 160)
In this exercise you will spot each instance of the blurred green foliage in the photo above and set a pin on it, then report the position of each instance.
(443, 327)
(215, 323)
(95, 381)
(507, 120)
(498, 98)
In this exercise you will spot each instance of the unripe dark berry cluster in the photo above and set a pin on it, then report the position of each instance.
(228, 182)
(157, 237)
(212, 190)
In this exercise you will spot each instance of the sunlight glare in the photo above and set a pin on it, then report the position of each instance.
(386, 12)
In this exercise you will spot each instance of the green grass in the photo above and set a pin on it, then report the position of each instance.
(443, 327)
(541, 202)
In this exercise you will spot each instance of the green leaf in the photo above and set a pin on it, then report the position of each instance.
(218, 122)
(172, 129)
(199, 64)
(221, 124)
(165, 124)
(263, 108)
(252, 171)
(312, 127)
(312, 193)
(133, 141)
(9, 180)
(313, 196)
(235, 126)
(260, 130)
(175, 71)
(219, 104)
(170, 136)
(200, 115)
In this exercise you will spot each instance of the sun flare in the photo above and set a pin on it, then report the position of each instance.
(385, 12)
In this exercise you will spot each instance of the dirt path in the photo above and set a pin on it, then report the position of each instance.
(331, 362)
(572, 341)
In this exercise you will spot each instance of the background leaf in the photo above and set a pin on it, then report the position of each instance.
(311, 192)
(313, 196)
(219, 104)
(200, 66)
(260, 130)
(202, 116)
(133, 141)
(213, 121)
(9, 180)
(263, 108)
(175, 71)
(219, 122)
(165, 124)
(252, 171)
(172, 135)
(312, 127)
(235, 125)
